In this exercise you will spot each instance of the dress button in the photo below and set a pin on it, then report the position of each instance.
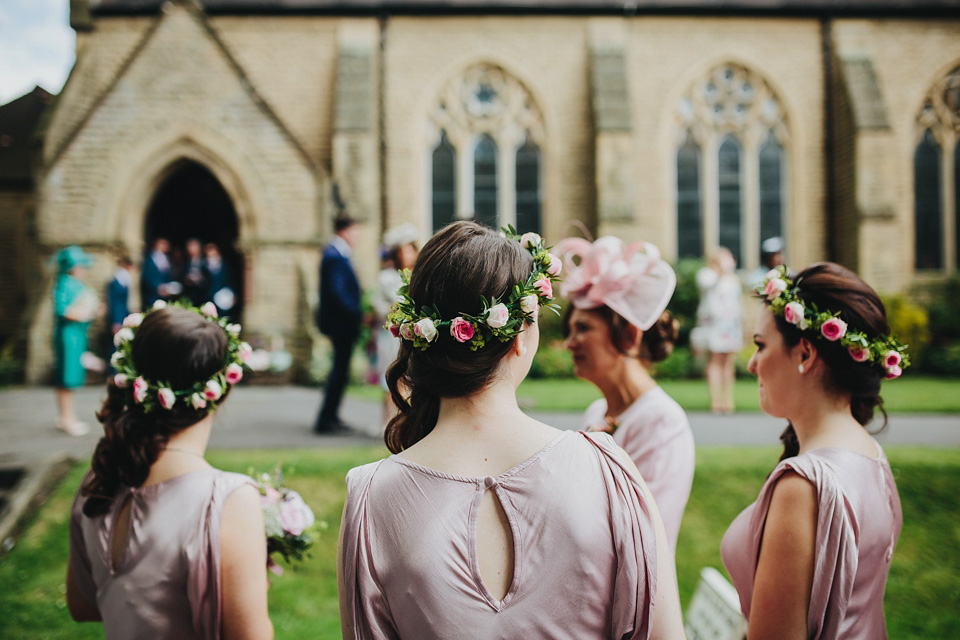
(489, 482)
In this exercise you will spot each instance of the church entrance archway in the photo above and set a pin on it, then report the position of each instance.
(191, 204)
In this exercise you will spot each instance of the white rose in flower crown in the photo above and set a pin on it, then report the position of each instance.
(530, 240)
(197, 401)
(120, 380)
(212, 390)
(234, 330)
(115, 358)
(133, 320)
(121, 336)
(159, 304)
(773, 273)
(497, 315)
(529, 303)
(244, 350)
(425, 329)
(166, 397)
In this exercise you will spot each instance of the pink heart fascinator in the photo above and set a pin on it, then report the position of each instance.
(631, 279)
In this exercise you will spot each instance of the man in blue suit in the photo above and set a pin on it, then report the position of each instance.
(338, 318)
(155, 276)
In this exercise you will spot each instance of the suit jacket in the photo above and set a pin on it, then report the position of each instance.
(150, 279)
(117, 297)
(340, 313)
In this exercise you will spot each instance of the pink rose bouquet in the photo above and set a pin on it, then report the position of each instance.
(289, 523)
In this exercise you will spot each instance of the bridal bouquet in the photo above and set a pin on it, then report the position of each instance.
(289, 522)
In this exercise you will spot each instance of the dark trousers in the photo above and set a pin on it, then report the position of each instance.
(336, 382)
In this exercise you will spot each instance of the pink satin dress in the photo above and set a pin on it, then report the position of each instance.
(584, 549)
(655, 433)
(858, 524)
(167, 583)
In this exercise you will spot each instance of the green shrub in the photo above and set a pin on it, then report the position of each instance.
(686, 297)
(943, 360)
(679, 365)
(910, 323)
(551, 361)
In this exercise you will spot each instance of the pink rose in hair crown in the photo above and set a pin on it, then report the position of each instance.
(209, 309)
(461, 329)
(166, 397)
(395, 331)
(858, 353)
(775, 287)
(212, 390)
(233, 373)
(544, 287)
(530, 240)
(244, 350)
(793, 313)
(556, 265)
(406, 331)
(497, 315)
(893, 372)
(120, 380)
(139, 389)
(891, 358)
(833, 329)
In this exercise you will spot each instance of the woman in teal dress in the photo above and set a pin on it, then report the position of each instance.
(74, 307)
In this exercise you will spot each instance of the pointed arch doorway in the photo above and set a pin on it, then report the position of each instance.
(190, 203)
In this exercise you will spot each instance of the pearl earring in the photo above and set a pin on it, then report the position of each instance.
(800, 367)
(523, 349)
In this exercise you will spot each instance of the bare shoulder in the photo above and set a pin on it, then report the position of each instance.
(793, 491)
(242, 504)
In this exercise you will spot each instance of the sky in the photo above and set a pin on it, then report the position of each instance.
(36, 46)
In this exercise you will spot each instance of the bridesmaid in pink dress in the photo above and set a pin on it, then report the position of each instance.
(162, 545)
(810, 557)
(616, 327)
(486, 523)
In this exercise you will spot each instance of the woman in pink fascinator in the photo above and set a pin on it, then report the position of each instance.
(616, 327)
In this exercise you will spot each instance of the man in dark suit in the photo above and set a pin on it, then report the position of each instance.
(338, 318)
(155, 277)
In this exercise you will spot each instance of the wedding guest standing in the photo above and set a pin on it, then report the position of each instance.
(338, 318)
(616, 327)
(401, 251)
(163, 545)
(118, 294)
(194, 274)
(155, 276)
(75, 305)
(810, 557)
(719, 329)
(219, 281)
(486, 523)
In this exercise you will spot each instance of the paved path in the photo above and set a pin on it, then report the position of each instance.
(281, 417)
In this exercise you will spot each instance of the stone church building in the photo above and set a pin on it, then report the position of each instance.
(690, 124)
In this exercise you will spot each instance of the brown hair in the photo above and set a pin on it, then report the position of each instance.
(834, 288)
(460, 263)
(656, 343)
(173, 345)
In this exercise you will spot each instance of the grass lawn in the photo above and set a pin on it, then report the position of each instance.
(922, 599)
(910, 394)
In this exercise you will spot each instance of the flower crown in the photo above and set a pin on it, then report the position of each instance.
(156, 393)
(502, 317)
(780, 293)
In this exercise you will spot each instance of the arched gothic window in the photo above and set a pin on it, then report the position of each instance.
(444, 183)
(493, 132)
(689, 203)
(936, 177)
(731, 170)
